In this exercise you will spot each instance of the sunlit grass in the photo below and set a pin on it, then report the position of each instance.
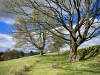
(45, 63)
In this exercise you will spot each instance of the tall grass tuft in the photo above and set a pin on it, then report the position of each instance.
(19, 71)
(27, 67)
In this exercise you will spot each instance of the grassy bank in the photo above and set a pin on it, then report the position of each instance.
(53, 64)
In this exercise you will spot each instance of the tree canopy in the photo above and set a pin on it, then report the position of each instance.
(80, 18)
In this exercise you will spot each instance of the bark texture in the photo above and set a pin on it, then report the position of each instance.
(73, 53)
(41, 52)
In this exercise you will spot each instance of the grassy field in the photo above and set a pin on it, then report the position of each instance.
(53, 64)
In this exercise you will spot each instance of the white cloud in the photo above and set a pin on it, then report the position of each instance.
(8, 21)
(5, 17)
(93, 41)
(6, 41)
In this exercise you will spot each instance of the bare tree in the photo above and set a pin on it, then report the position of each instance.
(30, 34)
(79, 17)
(6, 55)
(56, 43)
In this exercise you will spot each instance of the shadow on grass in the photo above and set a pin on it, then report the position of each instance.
(88, 53)
(91, 69)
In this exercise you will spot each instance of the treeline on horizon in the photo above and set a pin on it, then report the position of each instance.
(14, 54)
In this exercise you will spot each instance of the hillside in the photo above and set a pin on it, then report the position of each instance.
(53, 64)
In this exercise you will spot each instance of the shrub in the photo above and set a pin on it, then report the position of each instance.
(27, 67)
(19, 71)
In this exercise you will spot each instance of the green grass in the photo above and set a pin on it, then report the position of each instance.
(88, 64)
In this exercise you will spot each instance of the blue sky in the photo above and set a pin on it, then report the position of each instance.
(3, 27)
(6, 41)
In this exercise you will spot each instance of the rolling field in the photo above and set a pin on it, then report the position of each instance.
(53, 64)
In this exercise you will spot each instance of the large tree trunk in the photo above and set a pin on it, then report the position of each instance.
(73, 52)
(41, 52)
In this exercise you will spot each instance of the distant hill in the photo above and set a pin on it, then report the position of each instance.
(87, 52)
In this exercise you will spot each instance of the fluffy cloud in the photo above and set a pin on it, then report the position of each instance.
(6, 41)
(93, 41)
(4, 17)
(6, 20)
